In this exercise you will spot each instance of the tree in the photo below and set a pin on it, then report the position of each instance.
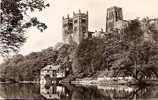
(88, 57)
(15, 21)
(30, 65)
(140, 60)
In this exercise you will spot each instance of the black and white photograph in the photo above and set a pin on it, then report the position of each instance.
(78, 49)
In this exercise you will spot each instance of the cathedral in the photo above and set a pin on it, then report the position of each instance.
(75, 28)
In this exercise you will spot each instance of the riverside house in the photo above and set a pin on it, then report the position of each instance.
(51, 73)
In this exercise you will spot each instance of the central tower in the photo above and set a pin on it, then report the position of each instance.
(114, 14)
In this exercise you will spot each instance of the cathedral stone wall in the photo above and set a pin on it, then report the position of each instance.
(75, 29)
(114, 14)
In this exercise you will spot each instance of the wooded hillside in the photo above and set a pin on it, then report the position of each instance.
(125, 53)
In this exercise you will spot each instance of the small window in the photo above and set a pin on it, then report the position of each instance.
(70, 24)
(84, 29)
(75, 21)
(65, 32)
(64, 25)
(75, 29)
(83, 20)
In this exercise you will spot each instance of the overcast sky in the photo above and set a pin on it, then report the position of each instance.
(52, 16)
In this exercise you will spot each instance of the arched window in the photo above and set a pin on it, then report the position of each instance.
(75, 29)
(83, 21)
(75, 21)
(84, 29)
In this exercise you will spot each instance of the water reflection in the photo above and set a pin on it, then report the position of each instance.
(56, 92)
(20, 91)
(72, 92)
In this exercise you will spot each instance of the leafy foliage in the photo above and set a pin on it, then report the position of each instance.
(15, 20)
(27, 68)
(121, 54)
(89, 57)
(117, 54)
(139, 59)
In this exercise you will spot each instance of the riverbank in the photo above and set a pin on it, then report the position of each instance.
(77, 92)
(89, 81)
(98, 81)
(112, 81)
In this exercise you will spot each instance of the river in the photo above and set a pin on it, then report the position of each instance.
(76, 92)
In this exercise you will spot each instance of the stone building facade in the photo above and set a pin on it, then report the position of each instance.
(121, 25)
(51, 73)
(75, 29)
(67, 29)
(114, 14)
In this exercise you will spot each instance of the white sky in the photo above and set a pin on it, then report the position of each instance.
(52, 16)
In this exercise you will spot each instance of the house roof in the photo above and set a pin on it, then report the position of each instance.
(51, 67)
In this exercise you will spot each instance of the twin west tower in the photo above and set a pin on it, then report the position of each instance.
(75, 29)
